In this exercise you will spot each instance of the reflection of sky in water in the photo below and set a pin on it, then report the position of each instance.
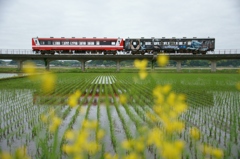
(6, 75)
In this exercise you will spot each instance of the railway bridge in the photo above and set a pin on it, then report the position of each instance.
(23, 55)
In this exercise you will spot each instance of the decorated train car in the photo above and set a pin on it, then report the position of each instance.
(170, 45)
(129, 45)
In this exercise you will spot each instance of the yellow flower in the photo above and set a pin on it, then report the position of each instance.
(140, 64)
(89, 124)
(48, 82)
(73, 99)
(166, 89)
(100, 134)
(55, 124)
(110, 156)
(69, 135)
(44, 118)
(132, 155)
(22, 153)
(29, 68)
(162, 60)
(126, 144)
(5, 155)
(195, 133)
(139, 146)
(143, 74)
(122, 99)
(238, 85)
(217, 153)
(67, 149)
(93, 147)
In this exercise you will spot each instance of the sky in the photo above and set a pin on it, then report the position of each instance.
(20, 20)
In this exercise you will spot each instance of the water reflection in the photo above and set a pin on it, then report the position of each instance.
(7, 75)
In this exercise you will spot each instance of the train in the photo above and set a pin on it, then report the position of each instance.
(127, 45)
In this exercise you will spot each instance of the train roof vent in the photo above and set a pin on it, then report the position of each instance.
(152, 37)
(173, 37)
(62, 37)
(142, 37)
(94, 37)
(84, 37)
(163, 37)
(184, 37)
(51, 37)
(105, 37)
(194, 37)
(73, 37)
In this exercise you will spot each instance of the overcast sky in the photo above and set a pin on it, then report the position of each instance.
(20, 20)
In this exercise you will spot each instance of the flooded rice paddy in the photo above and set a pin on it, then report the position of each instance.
(213, 107)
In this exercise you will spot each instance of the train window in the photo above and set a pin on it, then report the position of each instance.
(113, 43)
(189, 42)
(97, 42)
(180, 43)
(156, 43)
(147, 43)
(90, 43)
(65, 42)
(49, 42)
(74, 42)
(82, 43)
(56, 43)
(165, 43)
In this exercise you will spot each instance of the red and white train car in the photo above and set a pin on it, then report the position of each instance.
(77, 45)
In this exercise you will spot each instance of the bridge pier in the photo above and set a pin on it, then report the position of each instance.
(179, 65)
(19, 64)
(213, 65)
(83, 65)
(118, 65)
(47, 64)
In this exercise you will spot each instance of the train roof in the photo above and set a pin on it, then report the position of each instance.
(174, 38)
(109, 39)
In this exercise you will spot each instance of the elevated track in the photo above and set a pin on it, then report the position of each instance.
(23, 55)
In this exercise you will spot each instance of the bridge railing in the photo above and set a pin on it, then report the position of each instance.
(16, 51)
(224, 51)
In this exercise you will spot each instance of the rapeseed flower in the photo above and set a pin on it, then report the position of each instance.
(123, 99)
(55, 124)
(48, 82)
(195, 133)
(29, 68)
(162, 60)
(238, 85)
(73, 99)
(141, 65)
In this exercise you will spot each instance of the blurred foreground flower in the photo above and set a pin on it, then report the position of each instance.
(73, 99)
(20, 153)
(82, 143)
(215, 152)
(195, 133)
(48, 82)
(142, 66)
(29, 68)
(162, 60)
(238, 85)
(122, 99)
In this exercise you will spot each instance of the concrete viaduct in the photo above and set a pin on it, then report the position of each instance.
(118, 58)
